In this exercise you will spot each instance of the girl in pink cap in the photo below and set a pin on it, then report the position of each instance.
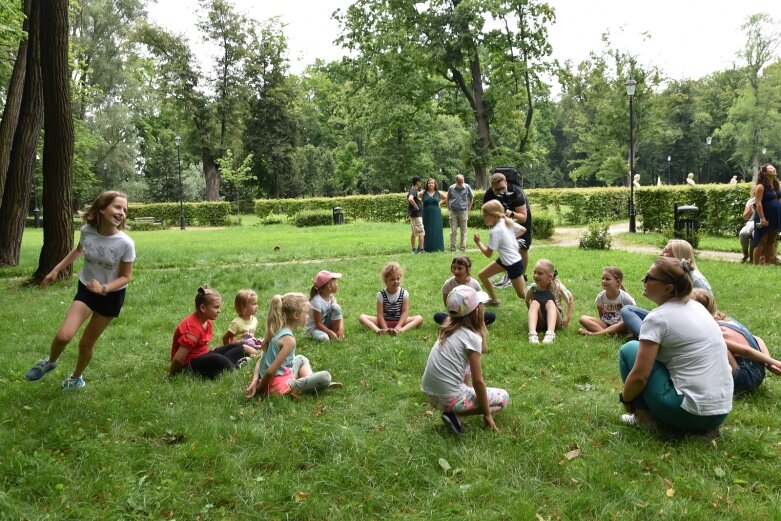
(324, 321)
(454, 363)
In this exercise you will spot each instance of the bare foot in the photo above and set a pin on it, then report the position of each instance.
(584, 331)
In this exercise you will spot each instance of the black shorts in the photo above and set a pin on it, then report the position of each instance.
(513, 270)
(106, 305)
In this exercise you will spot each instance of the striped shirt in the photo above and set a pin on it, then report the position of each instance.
(391, 309)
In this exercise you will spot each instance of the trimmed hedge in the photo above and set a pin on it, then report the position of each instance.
(312, 218)
(202, 214)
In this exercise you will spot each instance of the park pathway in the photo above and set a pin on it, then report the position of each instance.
(564, 236)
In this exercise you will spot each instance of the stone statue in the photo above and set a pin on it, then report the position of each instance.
(690, 179)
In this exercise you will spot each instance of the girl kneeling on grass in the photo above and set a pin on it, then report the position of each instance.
(545, 299)
(501, 238)
(609, 303)
(280, 370)
(108, 266)
(455, 359)
(190, 346)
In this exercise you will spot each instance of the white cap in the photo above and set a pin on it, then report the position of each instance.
(463, 300)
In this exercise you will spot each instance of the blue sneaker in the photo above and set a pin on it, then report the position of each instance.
(73, 383)
(40, 368)
(451, 420)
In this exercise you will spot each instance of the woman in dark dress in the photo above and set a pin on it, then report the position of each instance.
(767, 218)
(432, 216)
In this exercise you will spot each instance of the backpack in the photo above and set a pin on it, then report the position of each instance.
(514, 179)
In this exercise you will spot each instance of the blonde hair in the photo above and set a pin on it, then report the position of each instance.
(708, 301)
(92, 216)
(390, 269)
(206, 295)
(473, 322)
(243, 298)
(555, 285)
(282, 310)
(617, 274)
(682, 250)
(495, 208)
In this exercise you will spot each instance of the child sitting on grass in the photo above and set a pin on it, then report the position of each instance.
(325, 315)
(242, 328)
(461, 268)
(280, 370)
(609, 302)
(392, 305)
(545, 299)
(455, 360)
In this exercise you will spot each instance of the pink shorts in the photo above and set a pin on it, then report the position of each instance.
(280, 384)
(392, 323)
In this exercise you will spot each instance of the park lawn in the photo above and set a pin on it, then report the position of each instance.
(135, 444)
(658, 239)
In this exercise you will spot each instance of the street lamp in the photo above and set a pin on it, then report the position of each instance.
(36, 211)
(105, 182)
(708, 141)
(668, 169)
(178, 141)
(630, 90)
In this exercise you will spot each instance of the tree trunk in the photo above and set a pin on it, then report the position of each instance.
(481, 117)
(58, 140)
(16, 195)
(13, 102)
(212, 176)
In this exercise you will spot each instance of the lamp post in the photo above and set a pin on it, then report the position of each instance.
(36, 211)
(708, 141)
(668, 169)
(178, 141)
(105, 182)
(630, 90)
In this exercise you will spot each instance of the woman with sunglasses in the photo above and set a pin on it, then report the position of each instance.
(677, 374)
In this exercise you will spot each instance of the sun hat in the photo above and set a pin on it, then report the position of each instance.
(324, 277)
(463, 300)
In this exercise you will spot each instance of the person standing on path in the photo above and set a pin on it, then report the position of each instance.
(459, 202)
(414, 206)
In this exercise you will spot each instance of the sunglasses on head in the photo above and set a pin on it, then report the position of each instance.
(648, 277)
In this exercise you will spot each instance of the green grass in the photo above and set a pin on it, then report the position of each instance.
(135, 444)
(707, 242)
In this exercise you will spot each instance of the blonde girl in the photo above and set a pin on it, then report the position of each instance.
(461, 268)
(242, 328)
(280, 370)
(609, 302)
(108, 268)
(682, 250)
(545, 299)
(392, 305)
(501, 238)
(455, 360)
(325, 321)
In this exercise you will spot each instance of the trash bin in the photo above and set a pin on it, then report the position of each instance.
(686, 222)
(338, 215)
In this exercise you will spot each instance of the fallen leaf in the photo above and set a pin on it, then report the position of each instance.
(300, 497)
(670, 492)
(444, 465)
(572, 454)
(719, 472)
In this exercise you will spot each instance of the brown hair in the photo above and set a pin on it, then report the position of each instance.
(708, 301)
(243, 297)
(281, 309)
(206, 295)
(473, 322)
(101, 202)
(764, 180)
(678, 273)
(496, 179)
(463, 260)
(391, 268)
(436, 185)
(617, 274)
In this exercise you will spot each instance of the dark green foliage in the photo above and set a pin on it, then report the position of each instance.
(543, 226)
(597, 237)
(203, 214)
(273, 218)
(312, 218)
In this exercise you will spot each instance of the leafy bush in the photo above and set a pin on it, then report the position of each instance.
(543, 226)
(597, 237)
(313, 218)
(146, 226)
(273, 218)
(202, 214)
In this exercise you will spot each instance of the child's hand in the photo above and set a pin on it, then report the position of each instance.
(252, 388)
(48, 279)
(776, 370)
(477, 238)
(340, 336)
(489, 422)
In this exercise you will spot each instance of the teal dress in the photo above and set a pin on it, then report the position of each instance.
(432, 223)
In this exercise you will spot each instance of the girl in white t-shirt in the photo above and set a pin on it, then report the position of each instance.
(609, 302)
(325, 321)
(455, 360)
(501, 238)
(108, 267)
(242, 328)
(392, 305)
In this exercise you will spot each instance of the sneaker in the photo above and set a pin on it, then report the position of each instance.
(451, 420)
(630, 420)
(335, 385)
(73, 383)
(243, 361)
(550, 336)
(40, 368)
(505, 282)
(452, 248)
(533, 338)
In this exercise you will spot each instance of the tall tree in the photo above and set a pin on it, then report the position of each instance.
(59, 138)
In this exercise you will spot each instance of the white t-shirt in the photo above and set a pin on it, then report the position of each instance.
(611, 308)
(452, 283)
(320, 304)
(103, 253)
(393, 297)
(447, 367)
(502, 239)
(693, 350)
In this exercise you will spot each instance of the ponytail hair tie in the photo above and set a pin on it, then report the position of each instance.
(686, 265)
(555, 273)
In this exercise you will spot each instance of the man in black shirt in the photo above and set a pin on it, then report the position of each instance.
(516, 206)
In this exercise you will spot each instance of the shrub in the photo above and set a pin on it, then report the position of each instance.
(313, 218)
(597, 237)
(202, 214)
(543, 226)
(146, 226)
(273, 218)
